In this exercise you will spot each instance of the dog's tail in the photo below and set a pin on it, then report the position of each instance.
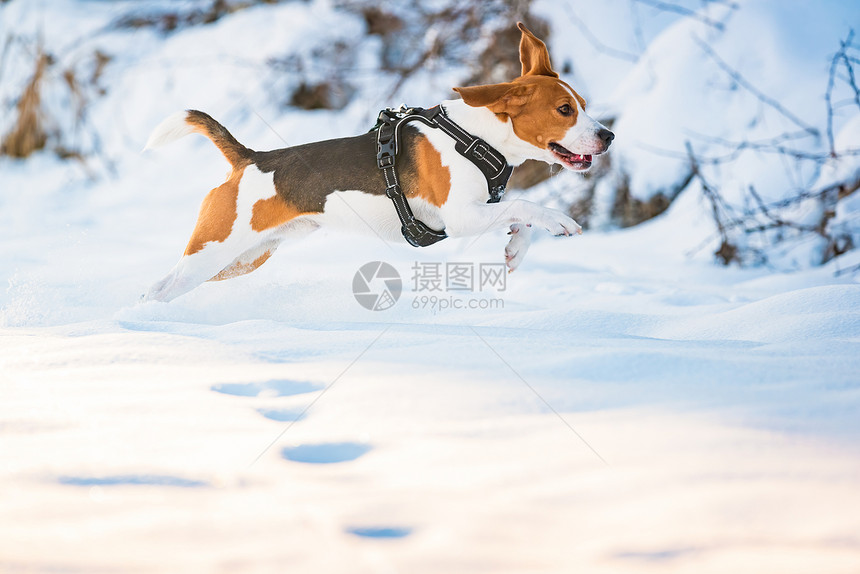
(181, 124)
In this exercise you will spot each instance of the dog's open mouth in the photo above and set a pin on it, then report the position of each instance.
(570, 160)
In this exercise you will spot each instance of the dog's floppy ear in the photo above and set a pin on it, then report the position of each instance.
(499, 98)
(534, 55)
(478, 96)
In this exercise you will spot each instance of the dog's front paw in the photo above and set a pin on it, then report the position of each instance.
(558, 223)
(518, 246)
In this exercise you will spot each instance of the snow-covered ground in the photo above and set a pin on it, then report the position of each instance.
(625, 411)
(619, 404)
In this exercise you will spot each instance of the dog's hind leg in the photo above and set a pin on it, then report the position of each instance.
(191, 271)
(240, 224)
(214, 244)
(217, 261)
(256, 256)
(248, 261)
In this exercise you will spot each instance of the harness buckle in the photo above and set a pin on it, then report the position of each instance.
(496, 194)
(403, 110)
(384, 160)
(385, 150)
(411, 238)
(480, 149)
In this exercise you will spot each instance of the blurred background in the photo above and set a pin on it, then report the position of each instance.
(752, 106)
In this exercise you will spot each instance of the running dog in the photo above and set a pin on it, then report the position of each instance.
(273, 196)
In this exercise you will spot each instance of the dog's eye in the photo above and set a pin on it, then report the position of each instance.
(565, 110)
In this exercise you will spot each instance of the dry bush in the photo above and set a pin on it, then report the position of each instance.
(170, 20)
(66, 130)
(28, 135)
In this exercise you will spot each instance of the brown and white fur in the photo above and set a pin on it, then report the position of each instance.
(277, 195)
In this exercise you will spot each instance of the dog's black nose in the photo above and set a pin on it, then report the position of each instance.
(605, 136)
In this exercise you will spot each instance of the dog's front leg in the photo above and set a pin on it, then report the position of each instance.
(519, 215)
(518, 246)
(531, 214)
(477, 218)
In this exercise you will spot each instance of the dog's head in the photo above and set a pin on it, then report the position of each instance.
(546, 114)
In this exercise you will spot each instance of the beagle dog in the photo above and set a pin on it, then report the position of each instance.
(273, 196)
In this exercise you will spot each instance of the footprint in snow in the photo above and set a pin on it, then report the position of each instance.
(274, 388)
(286, 415)
(271, 389)
(380, 532)
(325, 453)
(132, 480)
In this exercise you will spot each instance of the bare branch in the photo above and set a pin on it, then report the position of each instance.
(6, 45)
(595, 41)
(727, 252)
(840, 56)
(852, 81)
(768, 146)
(776, 220)
(684, 11)
(848, 271)
(828, 98)
(746, 84)
(771, 146)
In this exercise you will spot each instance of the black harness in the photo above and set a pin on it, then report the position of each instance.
(492, 164)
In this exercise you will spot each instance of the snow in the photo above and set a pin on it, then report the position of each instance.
(724, 402)
(629, 406)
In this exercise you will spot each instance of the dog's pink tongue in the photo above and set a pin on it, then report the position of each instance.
(577, 157)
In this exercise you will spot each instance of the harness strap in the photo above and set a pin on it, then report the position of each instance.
(487, 159)
(415, 231)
